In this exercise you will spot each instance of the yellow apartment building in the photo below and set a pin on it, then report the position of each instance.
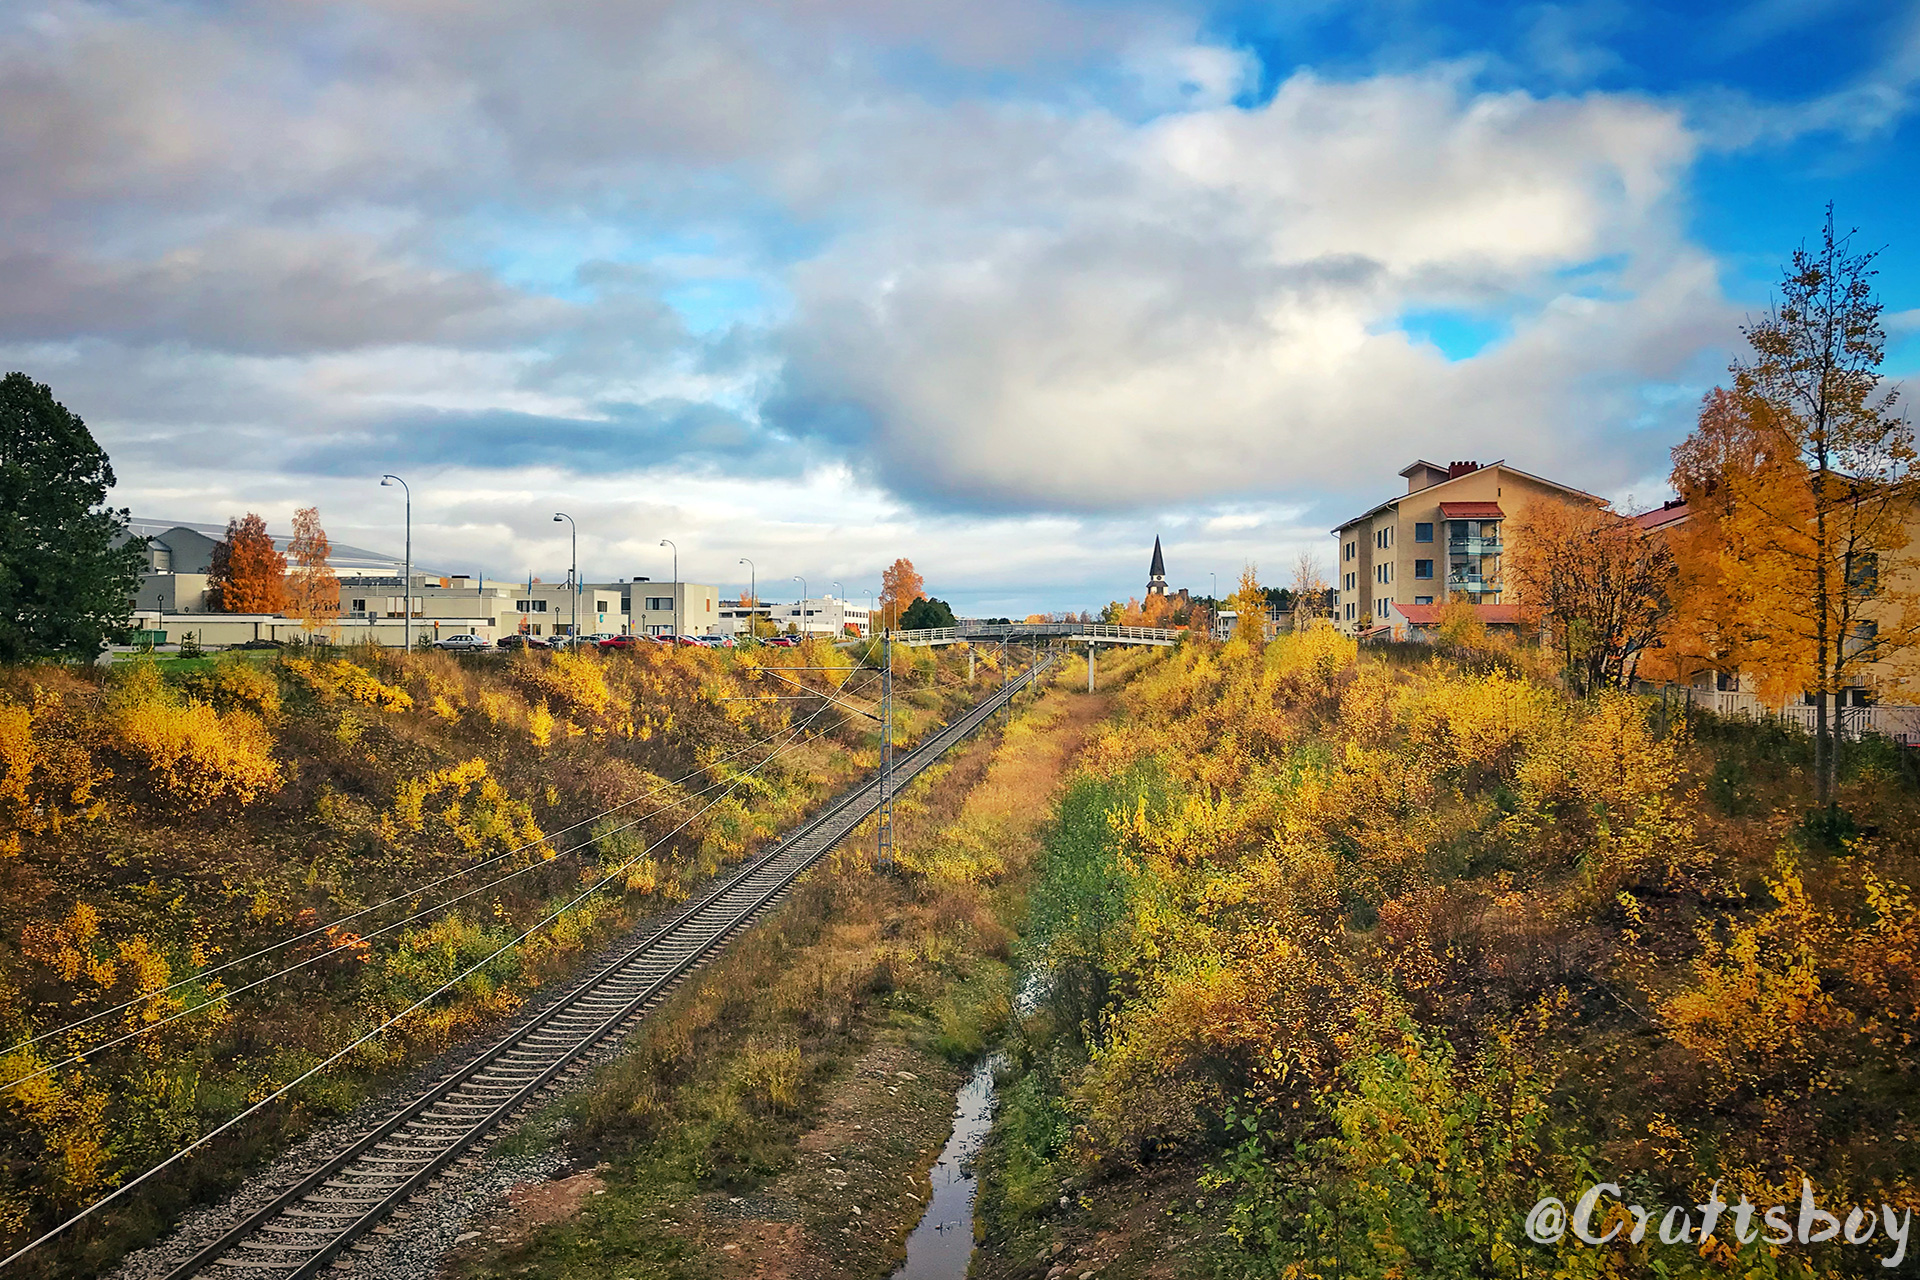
(1441, 537)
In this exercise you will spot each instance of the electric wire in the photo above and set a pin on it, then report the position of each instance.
(414, 892)
(421, 914)
(444, 987)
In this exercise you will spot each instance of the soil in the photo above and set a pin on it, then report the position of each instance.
(1146, 1226)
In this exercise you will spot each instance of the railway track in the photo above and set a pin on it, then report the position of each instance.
(313, 1225)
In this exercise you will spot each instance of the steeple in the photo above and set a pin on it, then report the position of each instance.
(1157, 572)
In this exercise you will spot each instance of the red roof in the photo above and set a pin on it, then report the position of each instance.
(1471, 510)
(1660, 517)
(1428, 615)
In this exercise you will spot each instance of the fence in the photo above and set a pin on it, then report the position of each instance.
(1900, 723)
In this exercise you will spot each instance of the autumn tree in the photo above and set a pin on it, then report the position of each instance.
(1249, 603)
(1309, 589)
(248, 575)
(1595, 582)
(68, 569)
(1820, 519)
(900, 586)
(313, 590)
(1726, 620)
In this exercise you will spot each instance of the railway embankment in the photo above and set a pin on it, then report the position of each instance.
(220, 871)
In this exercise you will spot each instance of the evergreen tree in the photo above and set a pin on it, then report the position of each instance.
(927, 612)
(68, 570)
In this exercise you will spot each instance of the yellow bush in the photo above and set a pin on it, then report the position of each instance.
(241, 685)
(474, 808)
(540, 725)
(576, 681)
(195, 756)
(47, 778)
(338, 679)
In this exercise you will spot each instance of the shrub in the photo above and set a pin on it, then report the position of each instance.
(195, 757)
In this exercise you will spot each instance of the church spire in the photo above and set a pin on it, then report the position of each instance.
(1157, 572)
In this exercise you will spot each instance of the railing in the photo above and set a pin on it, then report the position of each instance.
(1038, 630)
(1900, 723)
(1472, 584)
(1473, 546)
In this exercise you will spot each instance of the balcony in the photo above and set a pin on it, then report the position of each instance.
(1471, 584)
(1473, 546)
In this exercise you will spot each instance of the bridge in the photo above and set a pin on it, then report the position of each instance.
(1089, 633)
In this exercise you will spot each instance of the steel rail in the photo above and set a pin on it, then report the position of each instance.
(309, 1224)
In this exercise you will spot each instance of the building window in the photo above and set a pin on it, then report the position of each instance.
(1349, 611)
(1423, 532)
(1423, 568)
(1423, 599)
(357, 606)
(530, 606)
(660, 604)
(1350, 582)
(1350, 548)
(603, 606)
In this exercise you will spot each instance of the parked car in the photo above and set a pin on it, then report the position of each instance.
(785, 642)
(619, 642)
(462, 643)
(717, 642)
(261, 643)
(522, 642)
(692, 642)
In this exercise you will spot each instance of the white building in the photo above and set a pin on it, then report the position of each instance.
(816, 615)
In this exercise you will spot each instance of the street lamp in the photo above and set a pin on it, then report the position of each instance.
(839, 627)
(406, 579)
(574, 573)
(668, 542)
(753, 594)
(803, 602)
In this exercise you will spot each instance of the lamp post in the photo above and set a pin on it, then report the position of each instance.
(406, 577)
(573, 573)
(668, 542)
(803, 603)
(840, 628)
(753, 594)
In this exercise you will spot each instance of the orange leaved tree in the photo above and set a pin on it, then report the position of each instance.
(248, 575)
(1815, 526)
(1595, 582)
(900, 586)
(313, 591)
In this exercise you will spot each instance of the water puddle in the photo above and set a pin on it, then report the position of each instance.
(942, 1245)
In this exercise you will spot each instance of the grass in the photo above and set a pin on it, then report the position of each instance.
(813, 1066)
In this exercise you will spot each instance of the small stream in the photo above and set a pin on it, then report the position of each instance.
(942, 1245)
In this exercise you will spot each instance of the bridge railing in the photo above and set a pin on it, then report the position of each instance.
(1038, 630)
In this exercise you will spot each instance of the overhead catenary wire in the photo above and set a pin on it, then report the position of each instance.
(417, 1005)
(224, 996)
(414, 892)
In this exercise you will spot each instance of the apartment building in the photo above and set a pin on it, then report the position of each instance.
(1442, 537)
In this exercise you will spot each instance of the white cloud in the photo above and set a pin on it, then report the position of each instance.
(1201, 306)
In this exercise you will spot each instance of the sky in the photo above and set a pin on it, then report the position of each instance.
(1008, 287)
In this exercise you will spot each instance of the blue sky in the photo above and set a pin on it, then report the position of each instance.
(1006, 286)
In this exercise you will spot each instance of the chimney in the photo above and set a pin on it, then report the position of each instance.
(1457, 469)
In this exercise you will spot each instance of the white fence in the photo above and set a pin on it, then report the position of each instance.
(1900, 723)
